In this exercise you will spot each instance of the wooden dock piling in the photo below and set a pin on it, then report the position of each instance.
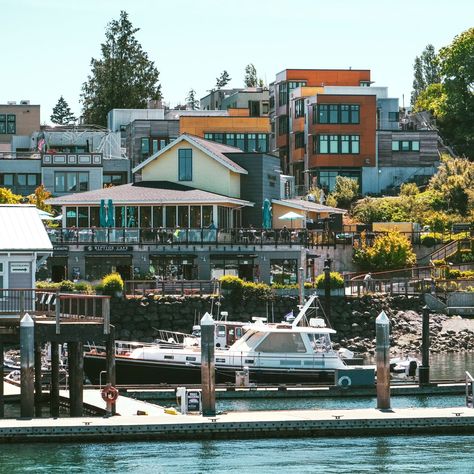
(424, 370)
(27, 330)
(76, 377)
(382, 336)
(208, 377)
(54, 391)
(38, 379)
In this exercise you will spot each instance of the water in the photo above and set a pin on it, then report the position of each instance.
(388, 454)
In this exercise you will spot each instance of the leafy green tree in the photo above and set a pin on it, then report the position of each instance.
(388, 251)
(191, 100)
(62, 114)
(223, 80)
(345, 191)
(251, 79)
(123, 77)
(7, 197)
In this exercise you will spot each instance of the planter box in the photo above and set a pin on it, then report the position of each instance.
(334, 292)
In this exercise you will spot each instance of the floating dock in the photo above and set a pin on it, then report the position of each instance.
(261, 424)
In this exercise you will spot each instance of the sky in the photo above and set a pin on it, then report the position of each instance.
(47, 45)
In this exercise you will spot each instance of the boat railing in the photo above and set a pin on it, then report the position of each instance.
(469, 390)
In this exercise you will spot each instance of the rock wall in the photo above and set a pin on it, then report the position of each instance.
(353, 319)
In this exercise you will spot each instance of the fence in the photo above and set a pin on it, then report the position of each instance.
(171, 287)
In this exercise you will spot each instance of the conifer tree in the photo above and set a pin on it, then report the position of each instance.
(62, 114)
(223, 80)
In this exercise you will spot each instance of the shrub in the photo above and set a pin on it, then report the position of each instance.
(112, 284)
(430, 239)
(230, 282)
(336, 281)
(439, 263)
(84, 287)
(47, 285)
(66, 285)
(388, 251)
(409, 189)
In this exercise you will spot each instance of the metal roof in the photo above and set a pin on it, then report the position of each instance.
(22, 229)
(308, 206)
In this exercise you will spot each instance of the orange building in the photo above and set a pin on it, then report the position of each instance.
(236, 129)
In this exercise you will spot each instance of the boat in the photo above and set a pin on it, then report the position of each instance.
(297, 352)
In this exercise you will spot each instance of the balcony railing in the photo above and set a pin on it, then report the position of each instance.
(20, 155)
(178, 236)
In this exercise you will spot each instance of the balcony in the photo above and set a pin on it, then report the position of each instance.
(177, 236)
(19, 155)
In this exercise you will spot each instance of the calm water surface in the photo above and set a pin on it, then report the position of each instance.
(393, 454)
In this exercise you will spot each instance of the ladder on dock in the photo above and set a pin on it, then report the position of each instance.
(469, 390)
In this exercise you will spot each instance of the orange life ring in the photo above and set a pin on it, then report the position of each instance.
(109, 394)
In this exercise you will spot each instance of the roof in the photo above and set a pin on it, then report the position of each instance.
(21, 229)
(308, 206)
(213, 149)
(147, 192)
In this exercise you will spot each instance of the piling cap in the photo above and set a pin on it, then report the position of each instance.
(207, 320)
(382, 318)
(26, 321)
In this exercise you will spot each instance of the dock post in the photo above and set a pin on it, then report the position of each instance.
(110, 369)
(38, 381)
(76, 376)
(301, 286)
(54, 391)
(2, 401)
(424, 369)
(208, 376)
(382, 337)
(327, 289)
(27, 360)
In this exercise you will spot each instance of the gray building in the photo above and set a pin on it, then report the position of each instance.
(255, 99)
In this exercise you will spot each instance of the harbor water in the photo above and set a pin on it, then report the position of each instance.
(387, 454)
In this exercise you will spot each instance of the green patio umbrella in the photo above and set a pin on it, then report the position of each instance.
(110, 214)
(267, 214)
(102, 214)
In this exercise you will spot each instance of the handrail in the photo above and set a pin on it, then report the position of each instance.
(469, 390)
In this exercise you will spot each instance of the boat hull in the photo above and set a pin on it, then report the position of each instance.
(131, 371)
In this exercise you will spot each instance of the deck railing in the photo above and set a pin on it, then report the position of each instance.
(469, 390)
(171, 287)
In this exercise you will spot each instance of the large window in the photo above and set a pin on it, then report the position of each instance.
(284, 272)
(336, 113)
(337, 144)
(327, 179)
(282, 94)
(7, 124)
(245, 141)
(284, 342)
(393, 116)
(299, 140)
(185, 164)
(282, 125)
(299, 108)
(405, 145)
(71, 181)
(114, 179)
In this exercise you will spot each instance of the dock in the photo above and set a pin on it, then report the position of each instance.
(260, 424)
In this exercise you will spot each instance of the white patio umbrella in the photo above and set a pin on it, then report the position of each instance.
(291, 216)
(44, 216)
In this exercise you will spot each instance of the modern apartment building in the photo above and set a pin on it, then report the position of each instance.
(327, 123)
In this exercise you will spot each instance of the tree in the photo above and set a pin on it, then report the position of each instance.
(251, 79)
(39, 197)
(191, 100)
(123, 77)
(345, 192)
(388, 251)
(62, 114)
(7, 197)
(223, 80)
(426, 72)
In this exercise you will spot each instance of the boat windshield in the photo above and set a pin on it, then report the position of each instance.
(320, 342)
(282, 342)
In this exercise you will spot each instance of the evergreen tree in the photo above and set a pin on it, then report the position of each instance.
(223, 80)
(123, 77)
(62, 114)
(191, 100)
(426, 72)
(251, 79)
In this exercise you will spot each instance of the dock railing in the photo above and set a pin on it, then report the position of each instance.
(469, 390)
(171, 287)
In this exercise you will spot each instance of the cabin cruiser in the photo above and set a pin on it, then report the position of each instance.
(270, 352)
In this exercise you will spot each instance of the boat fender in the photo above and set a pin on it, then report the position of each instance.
(109, 394)
(344, 381)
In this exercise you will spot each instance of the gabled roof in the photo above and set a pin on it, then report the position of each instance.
(147, 192)
(310, 206)
(213, 149)
(22, 229)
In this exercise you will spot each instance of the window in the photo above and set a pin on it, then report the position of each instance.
(11, 123)
(185, 164)
(254, 108)
(113, 179)
(155, 147)
(145, 216)
(284, 342)
(393, 116)
(295, 84)
(21, 179)
(299, 108)
(71, 217)
(170, 214)
(262, 142)
(327, 179)
(183, 216)
(83, 217)
(299, 140)
(32, 180)
(8, 179)
(209, 136)
(71, 181)
(230, 139)
(195, 217)
(264, 108)
(251, 142)
(1, 276)
(336, 113)
(406, 145)
(219, 137)
(282, 125)
(145, 147)
(207, 218)
(3, 124)
(282, 94)
(240, 140)
(337, 144)
(157, 216)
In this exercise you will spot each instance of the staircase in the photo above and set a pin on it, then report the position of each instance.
(440, 253)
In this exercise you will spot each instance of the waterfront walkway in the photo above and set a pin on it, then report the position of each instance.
(256, 424)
